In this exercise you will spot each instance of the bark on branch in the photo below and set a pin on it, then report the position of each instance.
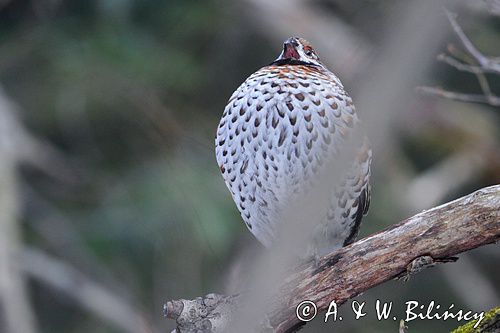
(430, 237)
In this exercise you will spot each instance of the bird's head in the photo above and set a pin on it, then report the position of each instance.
(298, 50)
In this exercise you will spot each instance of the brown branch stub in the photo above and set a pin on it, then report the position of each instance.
(421, 263)
(173, 309)
(431, 237)
(203, 314)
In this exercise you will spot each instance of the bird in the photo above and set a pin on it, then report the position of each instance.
(280, 127)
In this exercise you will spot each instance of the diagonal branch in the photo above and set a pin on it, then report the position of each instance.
(431, 237)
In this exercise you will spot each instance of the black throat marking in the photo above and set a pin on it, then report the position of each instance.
(291, 61)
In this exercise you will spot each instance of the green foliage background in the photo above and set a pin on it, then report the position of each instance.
(130, 93)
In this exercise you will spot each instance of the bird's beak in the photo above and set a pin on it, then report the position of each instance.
(290, 49)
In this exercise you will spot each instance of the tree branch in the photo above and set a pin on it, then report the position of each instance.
(431, 237)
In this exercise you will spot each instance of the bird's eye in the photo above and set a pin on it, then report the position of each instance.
(308, 51)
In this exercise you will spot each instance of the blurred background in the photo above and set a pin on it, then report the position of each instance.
(111, 201)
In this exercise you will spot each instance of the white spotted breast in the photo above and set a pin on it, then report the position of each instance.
(277, 130)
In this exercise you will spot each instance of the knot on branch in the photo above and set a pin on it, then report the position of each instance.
(420, 263)
(202, 314)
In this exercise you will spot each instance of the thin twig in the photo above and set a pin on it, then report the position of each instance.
(466, 62)
(459, 65)
(462, 97)
(478, 71)
(485, 62)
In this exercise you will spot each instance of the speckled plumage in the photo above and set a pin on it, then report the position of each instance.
(276, 133)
